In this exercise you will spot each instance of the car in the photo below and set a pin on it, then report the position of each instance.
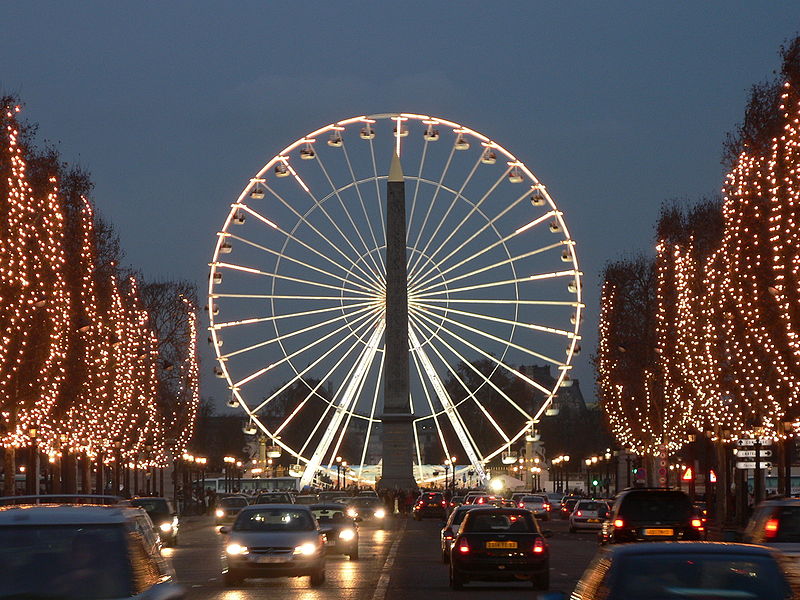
(455, 502)
(82, 551)
(274, 498)
(273, 540)
(367, 508)
(680, 570)
(306, 499)
(555, 499)
(537, 504)
(776, 523)
(567, 504)
(516, 497)
(163, 515)
(588, 514)
(474, 497)
(450, 529)
(330, 496)
(341, 531)
(499, 544)
(430, 504)
(228, 508)
(651, 514)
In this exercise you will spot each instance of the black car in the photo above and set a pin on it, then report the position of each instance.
(567, 504)
(499, 544)
(673, 571)
(341, 531)
(368, 509)
(651, 515)
(228, 508)
(163, 515)
(430, 504)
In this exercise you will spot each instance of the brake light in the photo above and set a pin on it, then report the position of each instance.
(521, 505)
(481, 500)
(546, 506)
(697, 523)
(538, 546)
(619, 523)
(579, 514)
(448, 535)
(463, 547)
(444, 503)
(771, 528)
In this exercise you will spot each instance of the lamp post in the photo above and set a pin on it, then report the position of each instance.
(35, 460)
(446, 469)
(338, 472)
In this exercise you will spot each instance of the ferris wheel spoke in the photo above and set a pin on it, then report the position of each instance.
(377, 188)
(533, 326)
(292, 334)
(259, 272)
(325, 238)
(377, 270)
(441, 222)
(472, 211)
(478, 286)
(490, 223)
(254, 320)
(357, 331)
(369, 287)
(436, 191)
(358, 373)
(316, 342)
(572, 303)
(421, 287)
(469, 364)
(483, 353)
(489, 336)
(435, 414)
(367, 218)
(449, 407)
(372, 410)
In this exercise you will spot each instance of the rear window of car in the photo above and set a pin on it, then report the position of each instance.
(483, 522)
(666, 576)
(275, 519)
(533, 499)
(590, 506)
(656, 507)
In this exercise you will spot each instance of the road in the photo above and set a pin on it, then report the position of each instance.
(402, 561)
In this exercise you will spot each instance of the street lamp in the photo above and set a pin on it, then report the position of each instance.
(338, 472)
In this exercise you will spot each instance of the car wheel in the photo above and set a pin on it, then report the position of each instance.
(318, 577)
(541, 581)
(456, 581)
(232, 578)
(354, 554)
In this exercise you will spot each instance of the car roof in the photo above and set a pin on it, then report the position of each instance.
(66, 514)
(684, 547)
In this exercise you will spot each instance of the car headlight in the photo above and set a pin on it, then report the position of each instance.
(380, 513)
(220, 512)
(235, 549)
(352, 513)
(306, 549)
(347, 534)
(166, 527)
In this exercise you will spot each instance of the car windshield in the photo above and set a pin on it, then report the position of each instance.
(656, 507)
(663, 576)
(274, 499)
(151, 505)
(66, 562)
(499, 522)
(366, 502)
(276, 519)
(233, 502)
(330, 515)
(788, 525)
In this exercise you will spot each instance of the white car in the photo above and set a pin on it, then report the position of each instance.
(538, 505)
(588, 514)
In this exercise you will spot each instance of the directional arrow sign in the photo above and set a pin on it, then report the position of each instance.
(765, 441)
(752, 465)
(752, 454)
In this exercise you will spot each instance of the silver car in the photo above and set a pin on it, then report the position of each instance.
(588, 514)
(274, 540)
(76, 552)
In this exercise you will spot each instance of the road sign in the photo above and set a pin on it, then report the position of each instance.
(752, 454)
(765, 441)
(712, 476)
(752, 465)
(688, 475)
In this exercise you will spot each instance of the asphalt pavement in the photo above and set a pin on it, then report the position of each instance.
(398, 562)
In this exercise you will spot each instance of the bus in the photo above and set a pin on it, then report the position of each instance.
(254, 485)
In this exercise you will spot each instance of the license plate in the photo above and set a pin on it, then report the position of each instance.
(659, 531)
(593, 520)
(501, 545)
(270, 559)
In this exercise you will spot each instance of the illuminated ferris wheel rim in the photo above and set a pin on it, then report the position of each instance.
(283, 158)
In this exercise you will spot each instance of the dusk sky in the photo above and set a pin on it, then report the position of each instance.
(172, 106)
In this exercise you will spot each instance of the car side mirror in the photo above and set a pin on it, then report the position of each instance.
(224, 530)
(551, 596)
(548, 533)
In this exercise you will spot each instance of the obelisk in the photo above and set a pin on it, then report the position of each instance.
(397, 420)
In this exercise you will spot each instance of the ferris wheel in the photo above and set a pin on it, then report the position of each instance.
(297, 289)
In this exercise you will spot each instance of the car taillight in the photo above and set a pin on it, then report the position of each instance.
(697, 523)
(463, 547)
(444, 503)
(481, 501)
(521, 505)
(771, 528)
(619, 523)
(448, 535)
(546, 507)
(579, 514)
(538, 546)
